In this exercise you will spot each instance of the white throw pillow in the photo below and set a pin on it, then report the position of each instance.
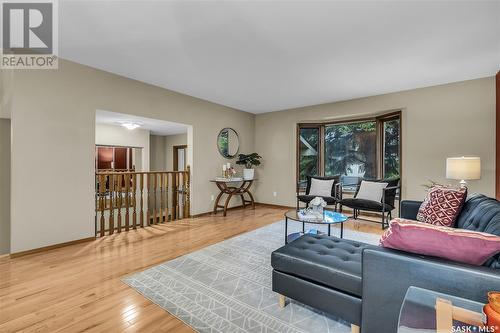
(371, 190)
(321, 187)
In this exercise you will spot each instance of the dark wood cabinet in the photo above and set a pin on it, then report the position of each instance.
(114, 158)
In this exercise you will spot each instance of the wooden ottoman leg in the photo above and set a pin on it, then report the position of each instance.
(282, 301)
(354, 328)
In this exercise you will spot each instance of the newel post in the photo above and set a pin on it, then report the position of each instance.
(187, 207)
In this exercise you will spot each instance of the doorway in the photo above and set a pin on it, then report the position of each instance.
(179, 157)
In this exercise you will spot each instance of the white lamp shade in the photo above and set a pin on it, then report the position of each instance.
(463, 168)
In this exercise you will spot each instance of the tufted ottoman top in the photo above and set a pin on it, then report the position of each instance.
(327, 260)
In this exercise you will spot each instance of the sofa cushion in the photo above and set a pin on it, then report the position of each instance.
(365, 204)
(461, 245)
(326, 260)
(321, 187)
(371, 190)
(390, 194)
(307, 198)
(309, 180)
(481, 213)
(442, 206)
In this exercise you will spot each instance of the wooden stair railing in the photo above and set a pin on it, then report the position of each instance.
(131, 200)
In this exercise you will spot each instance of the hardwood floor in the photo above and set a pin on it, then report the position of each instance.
(77, 288)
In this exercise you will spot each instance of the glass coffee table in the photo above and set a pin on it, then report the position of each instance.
(329, 217)
(430, 311)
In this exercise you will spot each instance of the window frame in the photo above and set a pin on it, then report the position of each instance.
(381, 148)
(379, 126)
(320, 164)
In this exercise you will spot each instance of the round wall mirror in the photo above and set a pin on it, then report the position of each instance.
(228, 142)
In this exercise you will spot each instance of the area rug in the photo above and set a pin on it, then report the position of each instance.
(226, 287)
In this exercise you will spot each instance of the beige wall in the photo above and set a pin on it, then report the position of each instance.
(57, 107)
(437, 122)
(158, 153)
(119, 136)
(5, 93)
(162, 150)
(170, 142)
(4, 186)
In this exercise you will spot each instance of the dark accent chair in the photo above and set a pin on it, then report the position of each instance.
(365, 284)
(331, 200)
(385, 206)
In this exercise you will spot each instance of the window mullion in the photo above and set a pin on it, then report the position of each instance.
(321, 151)
(380, 148)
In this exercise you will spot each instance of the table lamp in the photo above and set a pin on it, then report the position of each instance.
(463, 168)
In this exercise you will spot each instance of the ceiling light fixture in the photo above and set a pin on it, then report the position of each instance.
(130, 125)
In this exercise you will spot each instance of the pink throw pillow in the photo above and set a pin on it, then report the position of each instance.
(442, 206)
(460, 245)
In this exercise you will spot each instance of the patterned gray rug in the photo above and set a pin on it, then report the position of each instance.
(226, 287)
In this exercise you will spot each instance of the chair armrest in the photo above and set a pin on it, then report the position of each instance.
(355, 185)
(408, 209)
(338, 190)
(385, 189)
(300, 187)
(387, 275)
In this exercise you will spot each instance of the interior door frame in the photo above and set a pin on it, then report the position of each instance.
(175, 158)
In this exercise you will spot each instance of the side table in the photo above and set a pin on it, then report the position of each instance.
(429, 311)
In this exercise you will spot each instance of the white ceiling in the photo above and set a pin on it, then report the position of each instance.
(155, 126)
(262, 56)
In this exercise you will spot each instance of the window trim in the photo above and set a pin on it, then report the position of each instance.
(379, 123)
(381, 152)
(319, 165)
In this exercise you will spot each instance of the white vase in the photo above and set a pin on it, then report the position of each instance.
(248, 173)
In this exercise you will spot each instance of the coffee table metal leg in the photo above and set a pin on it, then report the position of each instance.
(286, 230)
(341, 230)
(329, 229)
(303, 227)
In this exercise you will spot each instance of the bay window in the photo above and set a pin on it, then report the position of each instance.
(368, 148)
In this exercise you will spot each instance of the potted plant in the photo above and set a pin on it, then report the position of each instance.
(248, 161)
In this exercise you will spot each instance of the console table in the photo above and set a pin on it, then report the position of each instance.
(230, 187)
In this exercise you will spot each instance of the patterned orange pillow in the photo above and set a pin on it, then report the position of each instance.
(442, 206)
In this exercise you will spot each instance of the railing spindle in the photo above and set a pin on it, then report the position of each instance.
(148, 192)
(102, 198)
(111, 205)
(184, 213)
(167, 218)
(127, 201)
(119, 202)
(174, 196)
(155, 184)
(180, 203)
(187, 204)
(179, 196)
(141, 177)
(134, 200)
(162, 186)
